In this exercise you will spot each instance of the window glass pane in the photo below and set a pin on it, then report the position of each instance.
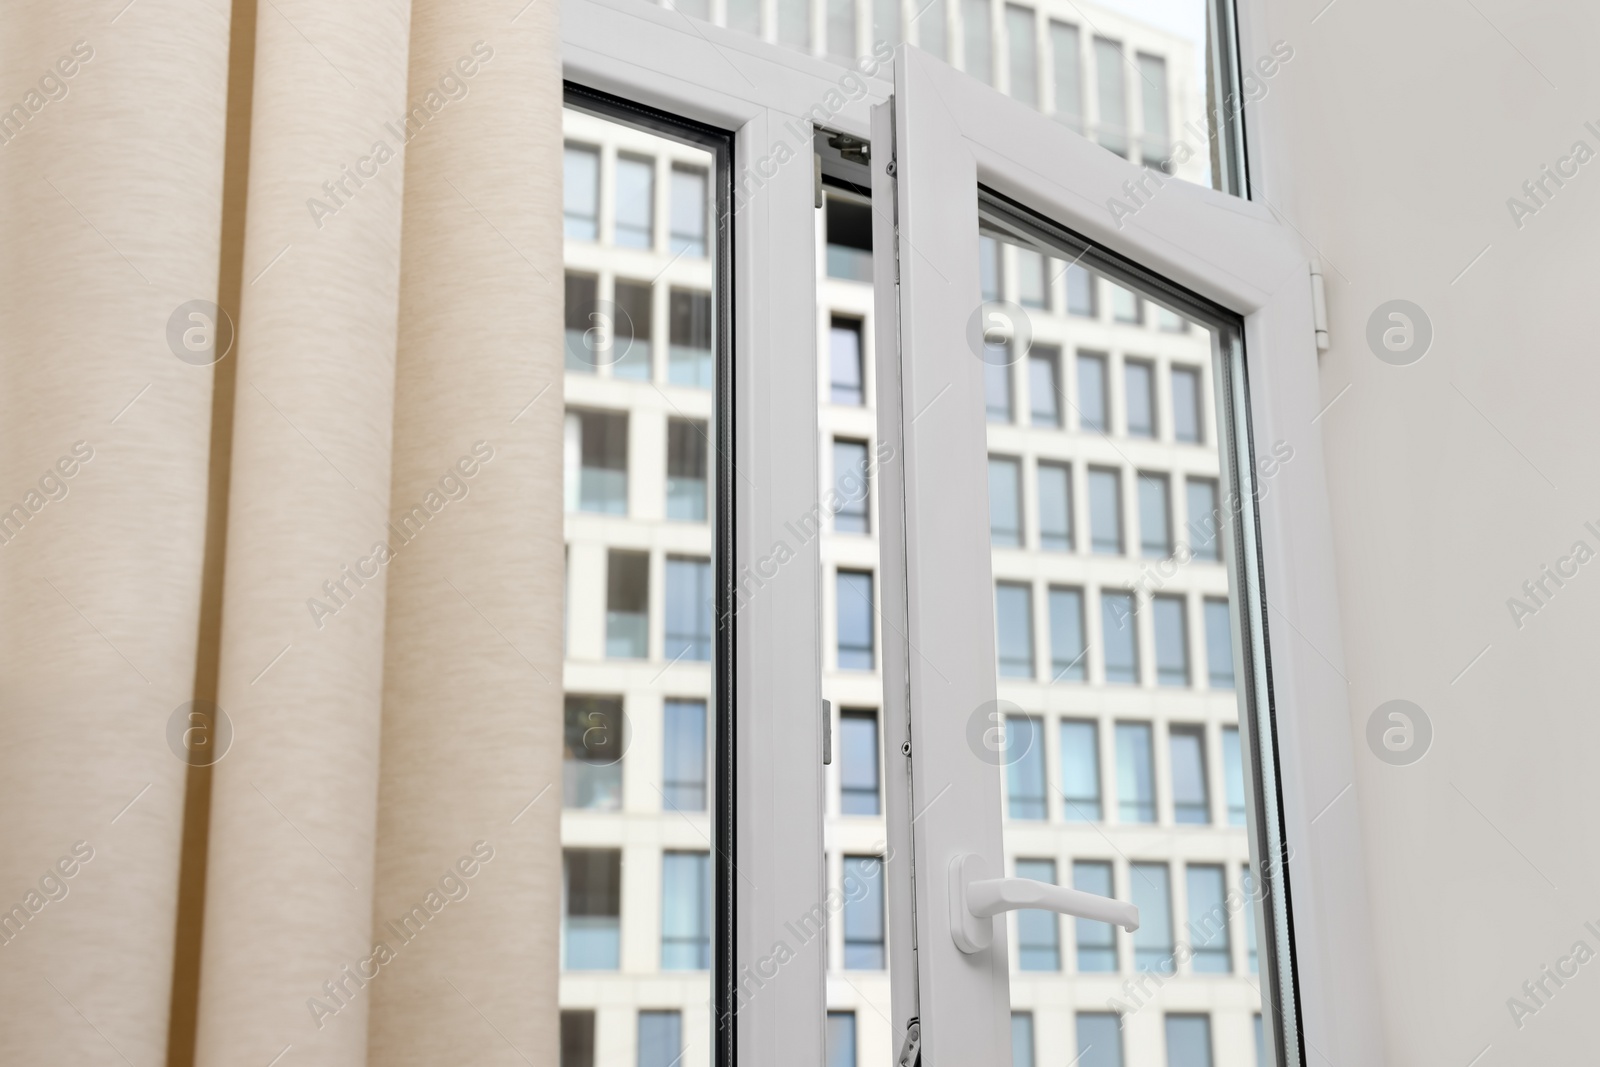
(933, 35)
(744, 16)
(1138, 383)
(1172, 640)
(1038, 932)
(989, 267)
(577, 1039)
(1111, 80)
(841, 30)
(1033, 278)
(1099, 1040)
(660, 1038)
(1105, 511)
(1205, 521)
(1190, 803)
(1208, 920)
(1261, 1043)
(1021, 1039)
(854, 591)
(683, 755)
(1185, 404)
(1126, 307)
(1233, 775)
(1068, 652)
(886, 22)
(1136, 792)
(631, 330)
(1080, 771)
(1055, 507)
(1025, 780)
(685, 911)
(978, 41)
(1097, 941)
(849, 238)
(841, 1039)
(1247, 884)
(595, 741)
(592, 909)
(1013, 612)
(863, 914)
(1022, 44)
(1152, 894)
(1005, 501)
(689, 206)
(597, 462)
(1092, 392)
(858, 763)
(1156, 143)
(1119, 637)
(1188, 1041)
(689, 340)
(844, 351)
(1155, 516)
(1219, 644)
(997, 390)
(688, 609)
(588, 334)
(850, 483)
(627, 604)
(1081, 291)
(1044, 386)
(1068, 65)
(635, 186)
(686, 470)
(794, 24)
(580, 192)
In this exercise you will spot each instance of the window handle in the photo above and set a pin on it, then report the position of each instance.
(975, 901)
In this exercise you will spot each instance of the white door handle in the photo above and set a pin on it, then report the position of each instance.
(975, 901)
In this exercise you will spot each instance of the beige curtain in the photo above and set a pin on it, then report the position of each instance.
(345, 532)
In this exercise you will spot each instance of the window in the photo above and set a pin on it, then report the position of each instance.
(1156, 146)
(1038, 932)
(794, 24)
(1126, 307)
(588, 339)
(630, 331)
(886, 21)
(989, 267)
(745, 16)
(1044, 386)
(1067, 648)
(975, 30)
(1023, 47)
(1081, 292)
(932, 32)
(688, 211)
(1105, 511)
(1005, 501)
(685, 911)
(844, 352)
(1013, 608)
(1172, 640)
(683, 755)
(1119, 638)
(1099, 1039)
(849, 240)
(1233, 775)
(688, 615)
(1022, 1039)
(686, 470)
(854, 595)
(577, 1039)
(636, 181)
(627, 604)
(858, 763)
(1055, 506)
(997, 384)
(1092, 393)
(597, 462)
(1208, 919)
(850, 483)
(1186, 404)
(593, 903)
(1261, 1043)
(841, 1039)
(1204, 519)
(1109, 79)
(689, 360)
(1190, 800)
(1080, 771)
(1033, 278)
(1247, 885)
(580, 192)
(863, 914)
(1069, 74)
(660, 1038)
(1188, 1041)
(1152, 894)
(841, 30)
(1097, 941)
(1025, 781)
(1219, 644)
(1136, 790)
(595, 737)
(1155, 516)
(1139, 381)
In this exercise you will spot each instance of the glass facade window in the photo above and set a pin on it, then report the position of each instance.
(745, 16)
(1219, 644)
(685, 911)
(580, 192)
(1233, 775)
(1186, 404)
(1023, 753)
(1055, 506)
(1068, 651)
(1136, 787)
(1247, 885)
(1205, 519)
(597, 462)
(1111, 81)
(1013, 612)
(1092, 404)
(689, 209)
(592, 903)
(1044, 386)
(997, 388)
(854, 608)
(1064, 45)
(1022, 1039)
(1190, 799)
(627, 604)
(1038, 932)
(1097, 941)
(1261, 1043)
(1105, 511)
(841, 1040)
(591, 762)
(635, 191)
(1138, 378)
(1005, 502)
(1023, 46)
(1172, 640)
(863, 914)
(1152, 895)
(660, 1038)
(849, 240)
(1033, 275)
(858, 763)
(979, 42)
(689, 358)
(686, 470)
(683, 755)
(844, 351)
(1119, 638)
(688, 614)
(794, 24)
(1208, 919)
(933, 33)
(1099, 1039)
(1155, 516)
(1081, 292)
(1080, 771)
(850, 483)
(886, 21)
(588, 337)
(630, 331)
(1156, 146)
(1188, 1041)
(577, 1039)
(1126, 307)
(989, 267)
(841, 30)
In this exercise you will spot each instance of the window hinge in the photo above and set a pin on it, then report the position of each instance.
(827, 732)
(1319, 307)
(911, 1049)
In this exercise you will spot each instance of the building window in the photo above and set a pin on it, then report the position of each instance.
(688, 211)
(636, 189)
(1044, 386)
(844, 351)
(1190, 799)
(1155, 516)
(689, 360)
(593, 903)
(1067, 648)
(588, 339)
(683, 755)
(688, 615)
(794, 24)
(1153, 91)
(1013, 610)
(1109, 79)
(1233, 775)
(686, 470)
(886, 21)
(1022, 1039)
(630, 331)
(580, 192)
(850, 483)
(1038, 932)
(1105, 511)
(854, 594)
(1081, 292)
(1126, 307)
(685, 911)
(1247, 885)
(1092, 393)
(1099, 1039)
(997, 382)
(863, 913)
(591, 763)
(1119, 638)
(989, 268)
(932, 30)
(627, 604)
(841, 30)
(1080, 771)
(1097, 941)
(1170, 321)
(1261, 1043)
(1055, 506)
(1139, 382)
(858, 763)
(849, 240)
(1023, 752)
(1069, 75)
(1136, 788)
(1172, 640)
(1152, 895)
(597, 462)
(577, 1039)
(1186, 404)
(841, 1037)
(1208, 919)
(1204, 518)
(660, 1038)
(1188, 1041)
(975, 31)
(1005, 502)
(1022, 44)
(1219, 644)
(1033, 275)
(745, 16)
